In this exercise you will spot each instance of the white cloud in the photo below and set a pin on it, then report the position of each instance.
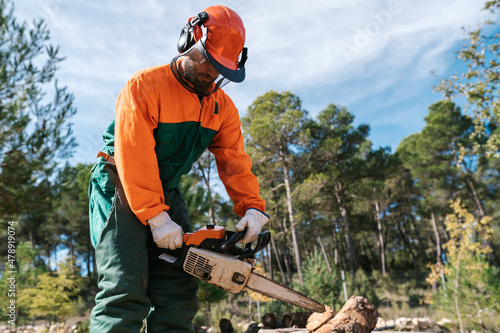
(367, 56)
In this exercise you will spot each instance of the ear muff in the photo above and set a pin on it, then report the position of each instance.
(186, 39)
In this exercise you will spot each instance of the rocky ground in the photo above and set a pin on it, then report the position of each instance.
(42, 328)
(298, 321)
(392, 325)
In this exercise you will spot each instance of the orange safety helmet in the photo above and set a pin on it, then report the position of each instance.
(218, 33)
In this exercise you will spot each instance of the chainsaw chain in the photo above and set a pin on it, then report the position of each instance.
(284, 286)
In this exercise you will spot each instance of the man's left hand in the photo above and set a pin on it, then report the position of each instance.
(253, 221)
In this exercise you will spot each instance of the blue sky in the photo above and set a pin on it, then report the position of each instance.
(373, 57)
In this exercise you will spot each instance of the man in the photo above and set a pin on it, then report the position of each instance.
(166, 116)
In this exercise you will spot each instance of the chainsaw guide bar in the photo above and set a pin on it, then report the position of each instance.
(276, 290)
(211, 254)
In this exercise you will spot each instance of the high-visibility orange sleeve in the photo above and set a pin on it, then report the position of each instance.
(136, 117)
(234, 164)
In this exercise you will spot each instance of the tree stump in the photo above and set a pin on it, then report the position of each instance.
(269, 320)
(225, 326)
(357, 315)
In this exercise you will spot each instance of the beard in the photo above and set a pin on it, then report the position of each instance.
(200, 87)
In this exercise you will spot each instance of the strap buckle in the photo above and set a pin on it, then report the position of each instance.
(107, 157)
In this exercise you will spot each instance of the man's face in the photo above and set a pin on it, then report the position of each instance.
(199, 72)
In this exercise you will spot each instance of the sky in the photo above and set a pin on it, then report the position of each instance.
(376, 58)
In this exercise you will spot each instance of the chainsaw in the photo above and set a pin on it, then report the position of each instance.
(212, 255)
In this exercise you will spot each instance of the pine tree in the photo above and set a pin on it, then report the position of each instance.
(36, 135)
(274, 129)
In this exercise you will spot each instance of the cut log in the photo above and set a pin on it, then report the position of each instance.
(357, 315)
(316, 320)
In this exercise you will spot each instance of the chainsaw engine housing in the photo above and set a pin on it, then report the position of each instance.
(221, 270)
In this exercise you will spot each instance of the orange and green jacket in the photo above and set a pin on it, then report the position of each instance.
(161, 129)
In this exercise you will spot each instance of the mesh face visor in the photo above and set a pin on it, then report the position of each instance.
(191, 84)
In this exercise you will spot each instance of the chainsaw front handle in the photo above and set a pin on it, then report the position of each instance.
(230, 246)
(216, 239)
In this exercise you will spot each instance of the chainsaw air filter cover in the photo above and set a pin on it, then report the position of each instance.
(221, 270)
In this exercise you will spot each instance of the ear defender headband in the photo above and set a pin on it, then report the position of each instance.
(186, 39)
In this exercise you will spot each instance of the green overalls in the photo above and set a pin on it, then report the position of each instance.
(134, 285)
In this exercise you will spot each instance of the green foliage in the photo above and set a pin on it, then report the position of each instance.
(274, 121)
(53, 294)
(364, 285)
(319, 283)
(83, 327)
(273, 131)
(196, 201)
(471, 290)
(69, 219)
(29, 268)
(480, 84)
(209, 296)
(433, 155)
(36, 133)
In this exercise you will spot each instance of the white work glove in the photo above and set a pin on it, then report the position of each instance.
(166, 233)
(253, 221)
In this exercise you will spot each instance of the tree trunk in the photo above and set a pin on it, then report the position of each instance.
(381, 243)
(457, 304)
(368, 250)
(436, 235)
(421, 247)
(342, 252)
(289, 202)
(278, 261)
(480, 215)
(263, 260)
(336, 246)
(474, 196)
(407, 244)
(323, 251)
(71, 255)
(31, 238)
(339, 193)
(206, 179)
(288, 267)
(438, 245)
(269, 261)
(283, 252)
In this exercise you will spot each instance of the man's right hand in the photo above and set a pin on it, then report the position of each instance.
(166, 233)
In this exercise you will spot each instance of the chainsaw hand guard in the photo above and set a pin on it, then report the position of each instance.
(216, 239)
(230, 246)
